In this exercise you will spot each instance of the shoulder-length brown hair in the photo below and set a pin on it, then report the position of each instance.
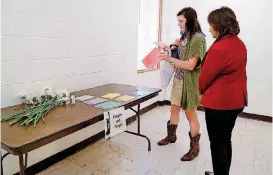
(224, 21)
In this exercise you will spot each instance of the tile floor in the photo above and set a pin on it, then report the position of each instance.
(127, 154)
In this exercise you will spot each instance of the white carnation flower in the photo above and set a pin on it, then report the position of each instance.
(49, 92)
(23, 99)
(62, 93)
(29, 98)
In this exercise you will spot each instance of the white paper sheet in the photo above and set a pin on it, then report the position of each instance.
(166, 73)
(84, 97)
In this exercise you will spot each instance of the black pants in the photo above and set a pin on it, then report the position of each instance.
(220, 124)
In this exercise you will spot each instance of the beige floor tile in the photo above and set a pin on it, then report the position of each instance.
(53, 171)
(69, 167)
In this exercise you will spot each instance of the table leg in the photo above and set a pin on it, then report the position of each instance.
(138, 127)
(26, 160)
(138, 121)
(2, 158)
(23, 165)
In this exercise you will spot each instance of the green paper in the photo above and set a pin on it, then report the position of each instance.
(108, 105)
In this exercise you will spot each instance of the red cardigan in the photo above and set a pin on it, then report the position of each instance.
(222, 80)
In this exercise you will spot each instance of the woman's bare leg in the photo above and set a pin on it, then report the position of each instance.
(171, 126)
(193, 134)
(175, 115)
(193, 121)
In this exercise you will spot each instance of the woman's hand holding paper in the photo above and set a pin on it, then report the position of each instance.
(164, 56)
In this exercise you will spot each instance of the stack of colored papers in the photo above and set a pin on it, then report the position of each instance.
(125, 98)
(108, 105)
(111, 95)
(84, 97)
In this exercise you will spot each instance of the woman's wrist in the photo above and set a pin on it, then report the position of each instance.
(174, 61)
(170, 59)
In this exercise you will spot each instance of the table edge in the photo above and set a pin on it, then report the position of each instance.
(20, 149)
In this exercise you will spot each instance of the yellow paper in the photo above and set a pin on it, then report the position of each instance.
(111, 95)
(125, 98)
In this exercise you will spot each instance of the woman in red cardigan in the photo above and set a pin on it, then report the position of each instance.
(223, 84)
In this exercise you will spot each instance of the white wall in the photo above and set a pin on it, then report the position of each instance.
(255, 21)
(65, 44)
(68, 44)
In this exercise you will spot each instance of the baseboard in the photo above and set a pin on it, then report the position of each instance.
(243, 114)
(142, 111)
(163, 103)
(44, 164)
(248, 116)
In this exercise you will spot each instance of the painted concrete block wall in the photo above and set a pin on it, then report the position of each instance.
(68, 44)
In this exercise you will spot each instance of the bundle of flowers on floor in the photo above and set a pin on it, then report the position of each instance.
(36, 107)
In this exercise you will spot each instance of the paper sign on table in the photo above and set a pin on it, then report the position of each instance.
(84, 97)
(150, 60)
(115, 122)
(95, 101)
(111, 95)
(125, 98)
(108, 105)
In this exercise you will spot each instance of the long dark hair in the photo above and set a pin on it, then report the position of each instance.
(192, 23)
(224, 21)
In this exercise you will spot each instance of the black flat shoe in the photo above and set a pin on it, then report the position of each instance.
(208, 173)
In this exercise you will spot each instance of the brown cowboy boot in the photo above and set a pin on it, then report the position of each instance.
(194, 148)
(171, 135)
